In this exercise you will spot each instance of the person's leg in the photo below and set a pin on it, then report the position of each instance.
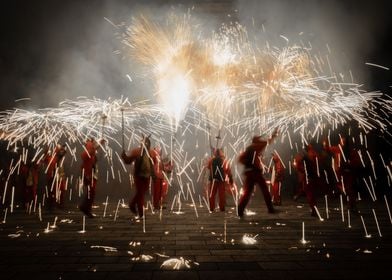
(309, 191)
(247, 192)
(144, 184)
(212, 193)
(264, 189)
(222, 196)
(350, 191)
(157, 193)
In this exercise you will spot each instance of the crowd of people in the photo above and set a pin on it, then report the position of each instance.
(332, 171)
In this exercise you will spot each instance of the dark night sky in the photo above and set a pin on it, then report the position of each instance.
(43, 41)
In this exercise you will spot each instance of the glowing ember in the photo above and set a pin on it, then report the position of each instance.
(177, 264)
(249, 239)
(106, 248)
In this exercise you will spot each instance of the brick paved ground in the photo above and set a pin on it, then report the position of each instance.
(333, 251)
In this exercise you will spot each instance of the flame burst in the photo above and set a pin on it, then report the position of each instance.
(238, 81)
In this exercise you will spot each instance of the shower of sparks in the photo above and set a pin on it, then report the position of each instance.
(74, 121)
(105, 248)
(249, 239)
(142, 258)
(177, 264)
(240, 82)
(223, 82)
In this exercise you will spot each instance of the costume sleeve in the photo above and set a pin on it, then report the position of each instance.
(128, 159)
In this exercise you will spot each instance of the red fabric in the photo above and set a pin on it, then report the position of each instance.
(137, 201)
(30, 192)
(89, 160)
(226, 169)
(251, 178)
(89, 189)
(160, 189)
(50, 164)
(346, 170)
(217, 186)
(160, 185)
(278, 178)
(141, 183)
(251, 158)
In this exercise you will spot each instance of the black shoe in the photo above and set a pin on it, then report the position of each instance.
(271, 210)
(354, 210)
(86, 212)
(133, 209)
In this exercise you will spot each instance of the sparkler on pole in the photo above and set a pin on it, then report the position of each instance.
(303, 241)
(122, 129)
(218, 138)
(364, 227)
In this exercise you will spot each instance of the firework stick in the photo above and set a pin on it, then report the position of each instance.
(122, 127)
(209, 138)
(104, 117)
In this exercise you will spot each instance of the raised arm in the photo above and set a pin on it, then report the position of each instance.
(128, 159)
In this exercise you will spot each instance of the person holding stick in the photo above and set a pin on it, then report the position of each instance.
(145, 160)
(55, 176)
(220, 175)
(89, 175)
(277, 179)
(251, 159)
(162, 170)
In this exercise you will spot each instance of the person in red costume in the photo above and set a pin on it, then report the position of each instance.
(311, 177)
(145, 160)
(220, 176)
(55, 176)
(346, 163)
(30, 174)
(251, 159)
(278, 176)
(298, 166)
(89, 175)
(162, 170)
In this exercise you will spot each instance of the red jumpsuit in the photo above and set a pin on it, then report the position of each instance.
(142, 177)
(328, 181)
(345, 172)
(301, 177)
(30, 174)
(90, 176)
(219, 181)
(251, 158)
(55, 177)
(277, 180)
(160, 185)
(311, 177)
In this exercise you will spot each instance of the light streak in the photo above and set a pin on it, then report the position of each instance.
(378, 227)
(364, 227)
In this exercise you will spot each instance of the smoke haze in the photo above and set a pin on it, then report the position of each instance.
(56, 50)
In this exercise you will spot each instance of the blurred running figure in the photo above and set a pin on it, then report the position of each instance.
(251, 159)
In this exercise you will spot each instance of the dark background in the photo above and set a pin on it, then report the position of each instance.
(53, 50)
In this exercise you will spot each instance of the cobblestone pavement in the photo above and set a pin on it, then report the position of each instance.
(202, 247)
